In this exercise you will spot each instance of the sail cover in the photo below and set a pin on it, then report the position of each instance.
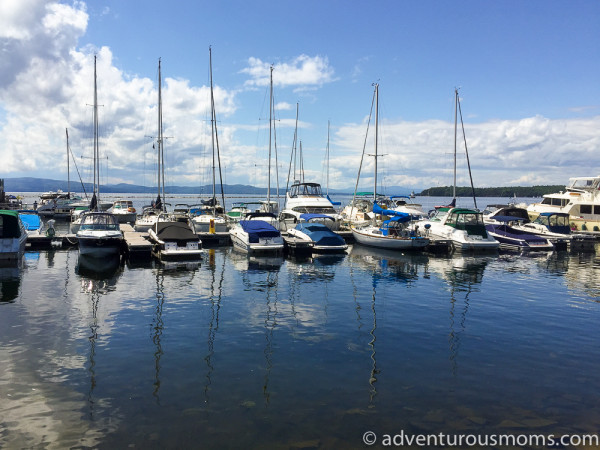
(400, 216)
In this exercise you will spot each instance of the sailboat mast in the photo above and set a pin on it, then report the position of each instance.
(212, 124)
(455, 132)
(270, 132)
(327, 158)
(376, 138)
(96, 155)
(161, 160)
(68, 168)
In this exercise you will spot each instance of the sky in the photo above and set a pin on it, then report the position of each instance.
(527, 74)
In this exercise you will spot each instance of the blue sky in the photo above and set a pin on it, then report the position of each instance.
(527, 72)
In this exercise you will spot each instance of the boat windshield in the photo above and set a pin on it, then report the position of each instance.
(315, 209)
(310, 189)
(99, 222)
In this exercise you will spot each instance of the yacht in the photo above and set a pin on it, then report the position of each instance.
(580, 200)
(256, 237)
(305, 201)
(123, 211)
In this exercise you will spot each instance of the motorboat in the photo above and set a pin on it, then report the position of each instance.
(556, 228)
(99, 234)
(256, 236)
(123, 211)
(517, 220)
(175, 240)
(359, 212)
(513, 238)
(580, 200)
(209, 217)
(147, 219)
(13, 235)
(404, 203)
(464, 227)
(32, 222)
(323, 240)
(307, 198)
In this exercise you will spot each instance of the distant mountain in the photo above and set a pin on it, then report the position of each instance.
(29, 184)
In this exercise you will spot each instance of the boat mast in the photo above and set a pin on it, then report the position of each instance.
(293, 153)
(96, 156)
(215, 140)
(467, 153)
(327, 159)
(455, 128)
(68, 168)
(161, 161)
(376, 137)
(270, 132)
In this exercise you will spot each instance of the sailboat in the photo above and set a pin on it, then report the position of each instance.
(99, 234)
(172, 239)
(394, 232)
(150, 213)
(210, 216)
(256, 233)
(464, 227)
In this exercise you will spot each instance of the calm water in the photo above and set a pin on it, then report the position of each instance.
(283, 353)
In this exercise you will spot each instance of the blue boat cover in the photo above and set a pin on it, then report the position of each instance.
(320, 234)
(397, 215)
(258, 229)
(308, 217)
(332, 202)
(30, 221)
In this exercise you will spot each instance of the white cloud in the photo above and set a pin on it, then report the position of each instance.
(301, 71)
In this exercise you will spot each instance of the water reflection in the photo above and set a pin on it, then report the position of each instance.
(215, 296)
(464, 275)
(390, 264)
(10, 280)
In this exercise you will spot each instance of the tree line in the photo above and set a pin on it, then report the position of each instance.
(508, 191)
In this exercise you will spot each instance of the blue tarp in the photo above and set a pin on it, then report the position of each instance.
(258, 229)
(397, 215)
(30, 221)
(320, 234)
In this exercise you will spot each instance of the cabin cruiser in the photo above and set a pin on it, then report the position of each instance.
(321, 238)
(581, 200)
(123, 211)
(463, 227)
(99, 234)
(174, 240)
(256, 236)
(209, 215)
(307, 198)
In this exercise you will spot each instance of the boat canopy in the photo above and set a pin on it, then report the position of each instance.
(257, 229)
(9, 224)
(99, 221)
(175, 231)
(312, 189)
(555, 222)
(320, 234)
(510, 219)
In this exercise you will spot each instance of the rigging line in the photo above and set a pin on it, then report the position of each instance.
(214, 118)
(364, 147)
(293, 152)
(466, 150)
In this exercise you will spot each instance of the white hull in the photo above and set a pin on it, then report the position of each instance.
(239, 239)
(461, 241)
(170, 251)
(129, 217)
(366, 236)
(12, 248)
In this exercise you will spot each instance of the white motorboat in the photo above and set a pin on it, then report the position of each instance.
(307, 198)
(175, 240)
(580, 200)
(464, 227)
(13, 235)
(123, 211)
(99, 234)
(321, 238)
(256, 236)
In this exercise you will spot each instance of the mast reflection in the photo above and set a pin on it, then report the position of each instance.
(216, 292)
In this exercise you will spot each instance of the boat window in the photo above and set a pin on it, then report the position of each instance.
(596, 209)
(585, 209)
(547, 201)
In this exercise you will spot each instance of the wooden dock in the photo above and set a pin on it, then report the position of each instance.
(215, 239)
(137, 244)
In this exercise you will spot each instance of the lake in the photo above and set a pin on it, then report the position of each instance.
(239, 352)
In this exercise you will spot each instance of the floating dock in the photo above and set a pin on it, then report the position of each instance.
(137, 244)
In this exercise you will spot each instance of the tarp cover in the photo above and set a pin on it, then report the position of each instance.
(9, 224)
(320, 234)
(258, 229)
(399, 216)
(30, 221)
(174, 231)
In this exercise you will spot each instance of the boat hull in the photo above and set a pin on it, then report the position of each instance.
(364, 237)
(12, 248)
(99, 246)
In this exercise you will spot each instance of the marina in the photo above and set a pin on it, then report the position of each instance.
(295, 352)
